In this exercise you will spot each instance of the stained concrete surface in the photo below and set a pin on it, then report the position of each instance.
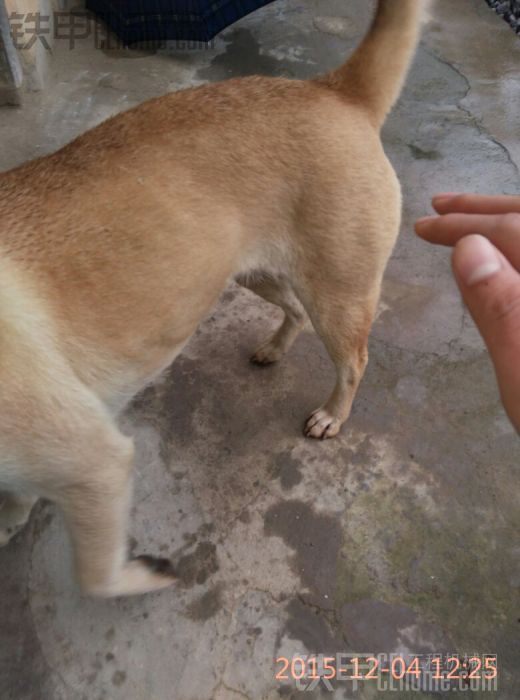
(399, 536)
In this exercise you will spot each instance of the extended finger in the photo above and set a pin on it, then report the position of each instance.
(475, 204)
(502, 230)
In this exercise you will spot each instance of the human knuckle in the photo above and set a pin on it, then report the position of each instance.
(463, 200)
(505, 308)
(449, 220)
(511, 222)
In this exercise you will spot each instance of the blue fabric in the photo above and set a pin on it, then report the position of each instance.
(509, 10)
(158, 20)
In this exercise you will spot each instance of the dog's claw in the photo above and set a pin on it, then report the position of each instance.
(321, 425)
(261, 361)
(163, 567)
(267, 354)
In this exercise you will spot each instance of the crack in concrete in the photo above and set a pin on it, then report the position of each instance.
(232, 521)
(224, 686)
(255, 589)
(278, 601)
(408, 351)
(326, 612)
(472, 118)
(232, 623)
(460, 334)
(330, 615)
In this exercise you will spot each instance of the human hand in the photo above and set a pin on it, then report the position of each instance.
(485, 232)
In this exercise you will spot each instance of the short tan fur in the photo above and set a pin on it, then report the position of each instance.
(114, 248)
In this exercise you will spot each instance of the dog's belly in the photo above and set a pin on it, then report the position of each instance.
(116, 383)
(123, 397)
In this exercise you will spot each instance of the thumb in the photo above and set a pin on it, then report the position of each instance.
(490, 287)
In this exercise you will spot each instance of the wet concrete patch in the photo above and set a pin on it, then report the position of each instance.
(391, 629)
(118, 678)
(422, 154)
(312, 628)
(287, 469)
(316, 539)
(197, 567)
(242, 56)
(206, 606)
(171, 405)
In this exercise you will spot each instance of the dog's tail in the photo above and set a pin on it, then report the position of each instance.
(375, 74)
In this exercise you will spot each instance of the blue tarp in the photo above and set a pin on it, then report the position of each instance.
(510, 11)
(159, 20)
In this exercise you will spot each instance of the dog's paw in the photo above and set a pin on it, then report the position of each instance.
(268, 353)
(321, 425)
(7, 534)
(14, 513)
(143, 574)
(161, 567)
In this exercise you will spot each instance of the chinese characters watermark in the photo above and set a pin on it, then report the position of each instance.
(32, 28)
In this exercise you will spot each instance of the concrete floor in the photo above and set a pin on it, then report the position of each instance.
(399, 536)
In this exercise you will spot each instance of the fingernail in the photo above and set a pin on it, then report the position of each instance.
(477, 260)
(445, 195)
(425, 220)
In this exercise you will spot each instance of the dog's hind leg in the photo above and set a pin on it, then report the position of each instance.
(15, 510)
(338, 283)
(276, 291)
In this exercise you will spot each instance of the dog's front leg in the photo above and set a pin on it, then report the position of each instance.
(96, 504)
(276, 291)
(15, 510)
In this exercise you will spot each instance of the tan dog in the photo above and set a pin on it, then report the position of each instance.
(114, 248)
